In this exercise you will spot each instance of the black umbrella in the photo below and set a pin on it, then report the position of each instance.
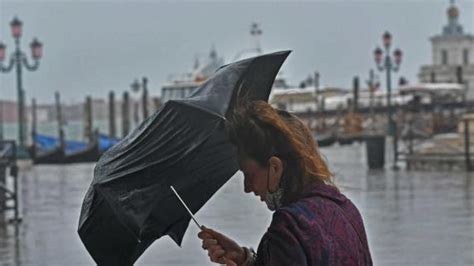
(129, 203)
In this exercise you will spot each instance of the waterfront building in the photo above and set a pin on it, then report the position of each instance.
(304, 100)
(301, 100)
(435, 93)
(184, 85)
(8, 111)
(452, 55)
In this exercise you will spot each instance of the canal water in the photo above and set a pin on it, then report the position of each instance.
(412, 218)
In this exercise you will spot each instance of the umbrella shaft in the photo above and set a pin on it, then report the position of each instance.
(185, 206)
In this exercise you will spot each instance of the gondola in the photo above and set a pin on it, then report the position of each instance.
(325, 140)
(81, 152)
(52, 150)
(348, 139)
(46, 150)
(106, 142)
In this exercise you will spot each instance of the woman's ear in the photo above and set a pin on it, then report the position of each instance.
(276, 171)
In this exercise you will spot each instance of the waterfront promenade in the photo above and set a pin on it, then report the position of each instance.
(412, 218)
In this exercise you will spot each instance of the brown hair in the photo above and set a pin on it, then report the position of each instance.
(259, 131)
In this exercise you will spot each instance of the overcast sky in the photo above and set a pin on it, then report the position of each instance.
(92, 47)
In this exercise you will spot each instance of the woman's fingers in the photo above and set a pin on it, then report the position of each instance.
(215, 249)
(216, 254)
(209, 242)
(203, 235)
(209, 233)
(229, 262)
(218, 246)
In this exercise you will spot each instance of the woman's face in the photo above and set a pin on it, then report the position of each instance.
(259, 179)
(255, 177)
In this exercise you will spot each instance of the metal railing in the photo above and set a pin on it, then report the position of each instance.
(8, 161)
(414, 139)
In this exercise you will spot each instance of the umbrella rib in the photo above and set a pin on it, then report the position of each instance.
(190, 104)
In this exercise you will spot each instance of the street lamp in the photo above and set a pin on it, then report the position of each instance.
(388, 66)
(136, 86)
(255, 32)
(16, 27)
(18, 59)
(316, 92)
(373, 85)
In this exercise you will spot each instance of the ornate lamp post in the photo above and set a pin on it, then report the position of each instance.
(18, 59)
(389, 65)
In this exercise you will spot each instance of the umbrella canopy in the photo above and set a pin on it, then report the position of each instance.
(129, 203)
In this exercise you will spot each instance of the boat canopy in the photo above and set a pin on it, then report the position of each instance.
(47, 143)
(106, 142)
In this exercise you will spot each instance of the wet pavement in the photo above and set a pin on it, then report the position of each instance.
(412, 218)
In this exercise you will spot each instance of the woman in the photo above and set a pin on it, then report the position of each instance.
(313, 223)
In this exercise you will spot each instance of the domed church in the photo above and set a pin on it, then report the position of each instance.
(452, 55)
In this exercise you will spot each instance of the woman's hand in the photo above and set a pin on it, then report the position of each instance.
(220, 248)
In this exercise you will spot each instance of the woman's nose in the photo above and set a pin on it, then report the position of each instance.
(246, 187)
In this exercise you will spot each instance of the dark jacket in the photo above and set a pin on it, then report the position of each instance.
(322, 228)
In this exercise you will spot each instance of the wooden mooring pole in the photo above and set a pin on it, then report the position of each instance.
(467, 143)
(33, 128)
(156, 103)
(125, 114)
(88, 120)
(112, 127)
(59, 118)
(3, 198)
(145, 98)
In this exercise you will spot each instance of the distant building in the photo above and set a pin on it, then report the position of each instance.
(47, 113)
(8, 111)
(184, 85)
(100, 109)
(301, 100)
(72, 112)
(452, 55)
(44, 113)
(304, 100)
